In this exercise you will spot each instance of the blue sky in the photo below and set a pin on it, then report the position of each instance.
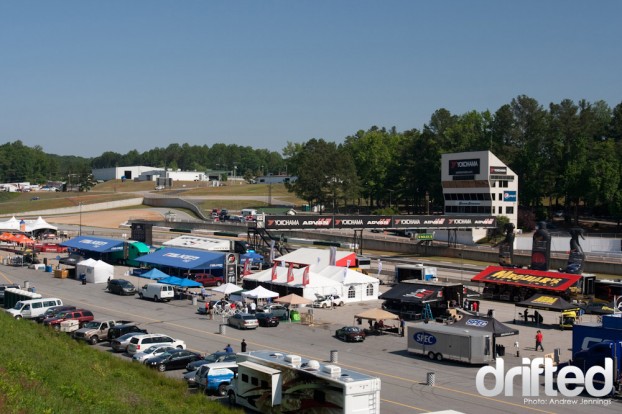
(85, 77)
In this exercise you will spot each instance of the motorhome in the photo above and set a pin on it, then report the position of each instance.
(272, 382)
(440, 342)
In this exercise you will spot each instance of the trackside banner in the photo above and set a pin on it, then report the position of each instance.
(378, 222)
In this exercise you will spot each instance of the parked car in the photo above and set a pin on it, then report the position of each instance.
(174, 359)
(81, 315)
(350, 334)
(120, 344)
(243, 321)
(120, 330)
(53, 312)
(267, 319)
(121, 287)
(220, 356)
(208, 280)
(280, 311)
(327, 301)
(150, 352)
(141, 342)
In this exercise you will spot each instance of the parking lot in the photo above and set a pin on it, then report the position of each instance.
(403, 376)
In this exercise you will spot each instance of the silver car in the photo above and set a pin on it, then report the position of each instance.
(150, 352)
(120, 344)
(243, 321)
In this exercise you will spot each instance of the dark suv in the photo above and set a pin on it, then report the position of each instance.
(120, 330)
(121, 287)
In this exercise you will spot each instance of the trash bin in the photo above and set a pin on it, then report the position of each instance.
(26, 285)
(491, 313)
(431, 379)
(222, 329)
(48, 269)
(294, 316)
(500, 350)
(195, 301)
(334, 356)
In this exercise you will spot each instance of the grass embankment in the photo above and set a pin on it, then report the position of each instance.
(43, 371)
(24, 202)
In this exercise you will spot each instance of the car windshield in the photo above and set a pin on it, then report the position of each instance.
(91, 325)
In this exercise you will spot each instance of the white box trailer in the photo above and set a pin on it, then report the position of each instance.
(271, 382)
(450, 342)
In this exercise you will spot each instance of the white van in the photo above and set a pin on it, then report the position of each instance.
(33, 308)
(157, 292)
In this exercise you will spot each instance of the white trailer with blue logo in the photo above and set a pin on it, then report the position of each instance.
(440, 342)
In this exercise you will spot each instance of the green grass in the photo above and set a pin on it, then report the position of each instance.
(43, 371)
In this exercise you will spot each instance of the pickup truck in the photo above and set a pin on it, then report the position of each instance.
(96, 331)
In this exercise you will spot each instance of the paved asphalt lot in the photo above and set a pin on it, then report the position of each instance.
(404, 388)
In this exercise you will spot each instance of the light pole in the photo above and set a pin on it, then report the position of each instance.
(390, 198)
(80, 227)
(461, 266)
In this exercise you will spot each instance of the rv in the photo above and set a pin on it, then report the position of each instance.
(271, 382)
(441, 342)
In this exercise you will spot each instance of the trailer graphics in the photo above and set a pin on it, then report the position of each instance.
(570, 380)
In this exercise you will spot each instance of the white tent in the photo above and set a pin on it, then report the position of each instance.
(95, 271)
(260, 292)
(356, 286)
(318, 284)
(26, 226)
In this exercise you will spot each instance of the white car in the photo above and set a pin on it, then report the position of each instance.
(327, 301)
(139, 343)
(150, 352)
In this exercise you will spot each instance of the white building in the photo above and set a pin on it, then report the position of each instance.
(478, 183)
(138, 172)
(187, 175)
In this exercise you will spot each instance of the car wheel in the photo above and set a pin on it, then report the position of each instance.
(218, 283)
(180, 347)
(94, 340)
(323, 306)
(431, 355)
(18, 317)
(340, 304)
(57, 327)
(439, 357)
(161, 367)
(155, 298)
(140, 295)
(232, 398)
(222, 390)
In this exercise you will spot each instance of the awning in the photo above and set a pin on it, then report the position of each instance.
(94, 244)
(486, 324)
(413, 292)
(535, 279)
(184, 259)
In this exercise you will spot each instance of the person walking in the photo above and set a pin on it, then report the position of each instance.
(539, 338)
(243, 345)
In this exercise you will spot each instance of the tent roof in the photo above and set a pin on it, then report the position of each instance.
(179, 281)
(154, 274)
(293, 299)
(484, 323)
(414, 292)
(260, 292)
(319, 258)
(94, 244)
(547, 302)
(227, 288)
(346, 276)
(315, 279)
(29, 225)
(376, 315)
(184, 258)
(535, 279)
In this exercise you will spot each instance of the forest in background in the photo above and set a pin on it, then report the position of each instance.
(567, 155)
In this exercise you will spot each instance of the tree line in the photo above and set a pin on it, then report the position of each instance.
(567, 154)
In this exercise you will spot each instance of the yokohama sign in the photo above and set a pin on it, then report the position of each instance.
(379, 222)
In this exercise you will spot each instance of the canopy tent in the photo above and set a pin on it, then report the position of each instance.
(94, 244)
(547, 302)
(317, 258)
(293, 299)
(186, 259)
(154, 274)
(485, 323)
(376, 315)
(179, 281)
(27, 226)
(227, 288)
(414, 293)
(260, 292)
(95, 271)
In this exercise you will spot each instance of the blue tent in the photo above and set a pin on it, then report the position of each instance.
(181, 282)
(184, 259)
(94, 244)
(154, 274)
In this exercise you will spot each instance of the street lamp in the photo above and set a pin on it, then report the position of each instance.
(390, 198)
(80, 228)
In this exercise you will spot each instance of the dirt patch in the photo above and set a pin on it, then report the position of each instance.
(107, 219)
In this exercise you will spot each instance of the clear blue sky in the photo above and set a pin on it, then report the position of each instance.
(84, 77)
